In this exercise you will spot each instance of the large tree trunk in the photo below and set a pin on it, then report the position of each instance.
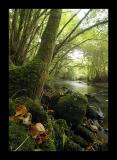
(32, 77)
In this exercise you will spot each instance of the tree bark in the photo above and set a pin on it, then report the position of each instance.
(33, 75)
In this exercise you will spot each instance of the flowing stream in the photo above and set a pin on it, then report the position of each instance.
(99, 90)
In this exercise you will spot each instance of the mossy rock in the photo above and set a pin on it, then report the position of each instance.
(79, 140)
(34, 107)
(12, 107)
(85, 133)
(17, 134)
(92, 112)
(72, 146)
(72, 108)
(103, 147)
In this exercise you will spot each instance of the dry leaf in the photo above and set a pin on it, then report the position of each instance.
(37, 129)
(21, 110)
(34, 131)
(44, 137)
(40, 128)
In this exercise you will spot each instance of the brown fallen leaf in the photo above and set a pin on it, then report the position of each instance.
(21, 110)
(40, 128)
(33, 130)
(37, 129)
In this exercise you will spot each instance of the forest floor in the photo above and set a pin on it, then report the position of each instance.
(64, 121)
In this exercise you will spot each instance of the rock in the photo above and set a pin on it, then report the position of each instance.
(72, 108)
(106, 130)
(92, 98)
(94, 113)
(85, 133)
(94, 128)
(100, 114)
(79, 140)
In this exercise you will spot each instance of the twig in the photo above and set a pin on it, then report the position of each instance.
(22, 143)
(18, 92)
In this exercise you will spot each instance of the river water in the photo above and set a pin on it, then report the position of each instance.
(99, 90)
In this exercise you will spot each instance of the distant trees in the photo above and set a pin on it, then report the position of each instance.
(39, 42)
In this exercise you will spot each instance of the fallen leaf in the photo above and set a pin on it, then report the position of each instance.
(21, 110)
(34, 131)
(40, 128)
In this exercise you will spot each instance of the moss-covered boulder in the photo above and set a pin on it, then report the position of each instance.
(72, 108)
(85, 133)
(17, 134)
(12, 107)
(72, 146)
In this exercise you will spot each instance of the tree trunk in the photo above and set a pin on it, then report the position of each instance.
(32, 76)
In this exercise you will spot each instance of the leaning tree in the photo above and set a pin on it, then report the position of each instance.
(30, 78)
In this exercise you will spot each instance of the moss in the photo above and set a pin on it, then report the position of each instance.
(12, 107)
(50, 144)
(60, 129)
(72, 108)
(54, 100)
(85, 133)
(92, 112)
(17, 134)
(78, 139)
(72, 146)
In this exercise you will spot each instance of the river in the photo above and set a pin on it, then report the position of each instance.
(99, 90)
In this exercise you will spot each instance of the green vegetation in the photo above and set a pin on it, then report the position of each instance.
(17, 134)
(48, 45)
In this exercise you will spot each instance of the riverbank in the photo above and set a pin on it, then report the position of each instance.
(72, 123)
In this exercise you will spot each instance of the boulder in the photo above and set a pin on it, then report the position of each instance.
(72, 108)
(85, 133)
(94, 113)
